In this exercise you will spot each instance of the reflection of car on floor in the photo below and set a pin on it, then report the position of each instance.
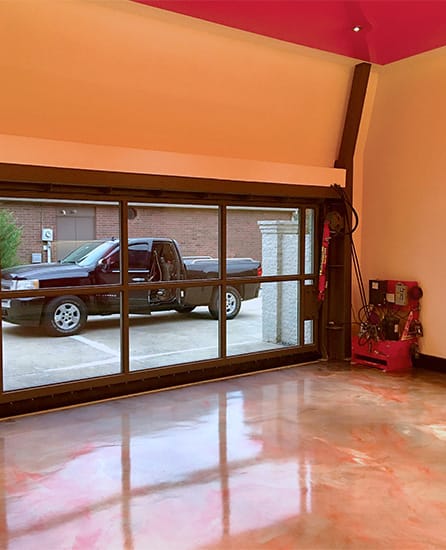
(99, 263)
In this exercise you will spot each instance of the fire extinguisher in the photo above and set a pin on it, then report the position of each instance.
(322, 285)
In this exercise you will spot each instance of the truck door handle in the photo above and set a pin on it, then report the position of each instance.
(138, 280)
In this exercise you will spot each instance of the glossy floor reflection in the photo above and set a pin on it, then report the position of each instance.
(318, 457)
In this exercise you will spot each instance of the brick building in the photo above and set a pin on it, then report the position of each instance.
(193, 227)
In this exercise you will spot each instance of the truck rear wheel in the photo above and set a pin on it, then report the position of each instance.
(64, 316)
(233, 303)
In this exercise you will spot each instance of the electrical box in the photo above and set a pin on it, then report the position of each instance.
(401, 298)
(47, 234)
(377, 292)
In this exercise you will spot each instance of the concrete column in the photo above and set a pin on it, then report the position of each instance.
(280, 301)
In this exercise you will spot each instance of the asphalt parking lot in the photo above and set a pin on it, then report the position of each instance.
(164, 338)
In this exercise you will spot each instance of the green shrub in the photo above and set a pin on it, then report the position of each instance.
(10, 239)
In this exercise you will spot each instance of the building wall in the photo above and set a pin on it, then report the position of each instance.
(195, 229)
(32, 218)
(404, 192)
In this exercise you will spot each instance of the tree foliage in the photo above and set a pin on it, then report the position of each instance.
(10, 239)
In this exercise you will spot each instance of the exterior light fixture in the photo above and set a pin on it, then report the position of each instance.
(356, 28)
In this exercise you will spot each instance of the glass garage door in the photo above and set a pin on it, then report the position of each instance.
(196, 286)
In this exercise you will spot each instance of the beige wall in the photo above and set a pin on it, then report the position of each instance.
(129, 87)
(404, 212)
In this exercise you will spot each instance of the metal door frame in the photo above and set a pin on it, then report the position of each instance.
(127, 382)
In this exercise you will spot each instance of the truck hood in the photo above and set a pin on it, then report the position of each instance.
(45, 271)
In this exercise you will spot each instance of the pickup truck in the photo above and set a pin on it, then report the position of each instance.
(98, 263)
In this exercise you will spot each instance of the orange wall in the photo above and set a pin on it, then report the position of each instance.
(122, 75)
(404, 198)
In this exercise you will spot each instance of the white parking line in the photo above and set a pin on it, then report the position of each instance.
(77, 366)
(116, 355)
(165, 353)
(96, 345)
(190, 350)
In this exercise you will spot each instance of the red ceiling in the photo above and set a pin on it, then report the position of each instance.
(391, 30)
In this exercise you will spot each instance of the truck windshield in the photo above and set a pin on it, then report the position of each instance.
(88, 253)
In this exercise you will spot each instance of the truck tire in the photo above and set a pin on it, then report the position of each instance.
(233, 303)
(64, 316)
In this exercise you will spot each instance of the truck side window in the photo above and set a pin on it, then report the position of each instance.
(168, 262)
(138, 256)
(164, 262)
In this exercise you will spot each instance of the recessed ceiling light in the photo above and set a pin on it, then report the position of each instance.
(356, 28)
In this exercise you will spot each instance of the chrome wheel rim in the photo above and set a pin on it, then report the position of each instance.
(67, 316)
(231, 303)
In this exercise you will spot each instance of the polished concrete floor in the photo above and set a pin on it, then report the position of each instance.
(314, 457)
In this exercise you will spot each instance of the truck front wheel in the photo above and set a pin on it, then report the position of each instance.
(64, 316)
(233, 303)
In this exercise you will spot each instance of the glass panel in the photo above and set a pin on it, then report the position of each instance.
(181, 241)
(180, 330)
(268, 322)
(173, 243)
(310, 310)
(37, 231)
(309, 240)
(308, 331)
(33, 357)
(266, 235)
(56, 244)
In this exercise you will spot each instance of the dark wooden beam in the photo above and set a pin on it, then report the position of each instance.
(353, 117)
(340, 294)
(114, 184)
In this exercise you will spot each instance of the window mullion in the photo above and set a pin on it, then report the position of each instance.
(222, 245)
(124, 263)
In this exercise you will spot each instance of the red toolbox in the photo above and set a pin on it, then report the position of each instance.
(387, 355)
